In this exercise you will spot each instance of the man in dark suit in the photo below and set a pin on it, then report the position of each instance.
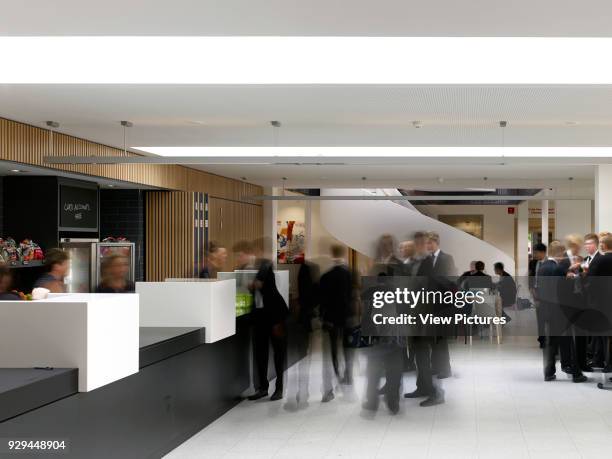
(598, 287)
(550, 288)
(336, 291)
(431, 352)
(269, 317)
(539, 256)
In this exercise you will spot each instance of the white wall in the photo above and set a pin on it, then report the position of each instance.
(498, 224)
(572, 217)
(603, 191)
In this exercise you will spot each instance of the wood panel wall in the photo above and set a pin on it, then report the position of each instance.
(26, 144)
(169, 236)
(231, 221)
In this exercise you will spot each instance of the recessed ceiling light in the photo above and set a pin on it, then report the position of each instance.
(111, 186)
(381, 151)
(17, 171)
(306, 60)
(571, 123)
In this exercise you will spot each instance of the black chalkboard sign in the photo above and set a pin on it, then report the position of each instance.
(78, 208)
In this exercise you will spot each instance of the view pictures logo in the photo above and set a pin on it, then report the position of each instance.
(412, 298)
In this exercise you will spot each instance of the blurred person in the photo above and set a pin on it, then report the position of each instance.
(539, 256)
(6, 283)
(114, 272)
(269, 326)
(551, 278)
(385, 356)
(420, 253)
(413, 268)
(602, 235)
(335, 302)
(57, 264)
(308, 280)
(407, 251)
(574, 243)
(506, 288)
(468, 273)
(245, 255)
(216, 258)
(386, 259)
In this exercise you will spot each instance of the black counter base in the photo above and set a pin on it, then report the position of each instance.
(25, 389)
(148, 414)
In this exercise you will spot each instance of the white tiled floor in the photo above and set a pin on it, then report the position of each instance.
(497, 405)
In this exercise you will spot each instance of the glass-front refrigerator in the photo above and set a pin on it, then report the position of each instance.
(86, 257)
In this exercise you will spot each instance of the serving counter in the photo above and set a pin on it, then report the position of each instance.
(210, 304)
(95, 333)
(179, 381)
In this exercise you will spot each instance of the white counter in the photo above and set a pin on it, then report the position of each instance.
(96, 333)
(210, 304)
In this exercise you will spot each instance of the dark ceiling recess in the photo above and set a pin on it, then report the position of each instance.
(501, 192)
(306, 191)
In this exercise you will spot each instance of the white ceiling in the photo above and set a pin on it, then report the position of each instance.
(308, 18)
(329, 116)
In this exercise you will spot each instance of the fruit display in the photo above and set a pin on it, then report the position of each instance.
(23, 296)
(30, 251)
(25, 252)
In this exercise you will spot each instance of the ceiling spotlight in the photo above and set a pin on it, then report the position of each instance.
(52, 124)
(503, 124)
(243, 178)
(17, 171)
(417, 124)
(570, 178)
(440, 179)
(485, 178)
(284, 178)
(275, 123)
(127, 124)
(364, 178)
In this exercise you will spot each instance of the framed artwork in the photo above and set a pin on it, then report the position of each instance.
(290, 242)
(471, 224)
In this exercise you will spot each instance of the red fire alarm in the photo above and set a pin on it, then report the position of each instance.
(511, 210)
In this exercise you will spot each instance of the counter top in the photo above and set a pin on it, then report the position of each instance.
(25, 389)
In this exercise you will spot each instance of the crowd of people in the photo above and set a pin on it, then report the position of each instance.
(570, 283)
(333, 304)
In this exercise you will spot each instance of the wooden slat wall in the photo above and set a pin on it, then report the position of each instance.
(27, 144)
(169, 235)
(231, 221)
